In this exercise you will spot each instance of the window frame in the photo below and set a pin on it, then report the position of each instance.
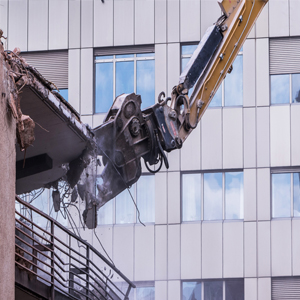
(202, 172)
(114, 207)
(290, 89)
(115, 60)
(222, 86)
(284, 171)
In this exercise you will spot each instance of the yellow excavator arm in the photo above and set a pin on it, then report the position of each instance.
(129, 134)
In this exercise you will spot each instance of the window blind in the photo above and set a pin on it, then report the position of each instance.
(53, 65)
(286, 288)
(284, 55)
(123, 50)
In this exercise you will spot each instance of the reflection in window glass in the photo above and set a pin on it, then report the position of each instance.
(213, 290)
(213, 196)
(125, 209)
(104, 87)
(296, 200)
(125, 56)
(281, 195)
(64, 93)
(191, 290)
(234, 200)
(295, 88)
(234, 84)
(188, 49)
(41, 203)
(145, 77)
(280, 89)
(146, 198)
(124, 77)
(145, 55)
(234, 289)
(145, 293)
(191, 197)
(217, 99)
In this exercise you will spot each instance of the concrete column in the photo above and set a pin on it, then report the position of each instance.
(7, 190)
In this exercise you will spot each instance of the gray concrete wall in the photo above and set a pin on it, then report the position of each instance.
(7, 191)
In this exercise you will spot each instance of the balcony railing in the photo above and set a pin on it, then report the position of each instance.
(64, 262)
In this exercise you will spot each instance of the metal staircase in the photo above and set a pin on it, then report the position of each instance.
(54, 263)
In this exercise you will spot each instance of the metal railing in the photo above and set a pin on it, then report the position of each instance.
(63, 261)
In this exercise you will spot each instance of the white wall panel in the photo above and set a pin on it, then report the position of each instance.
(123, 22)
(281, 240)
(74, 23)
(250, 249)
(161, 69)
(87, 75)
(173, 252)
(37, 25)
(87, 120)
(87, 22)
(263, 136)
(174, 160)
(294, 17)
(279, 18)
(160, 22)
(263, 194)
(173, 290)
(189, 20)
(173, 66)
(210, 12)
(3, 19)
(249, 137)
(161, 251)
(161, 290)
(250, 194)
(161, 198)
(233, 138)
(280, 137)
(250, 285)
(173, 21)
(17, 14)
(264, 289)
(58, 24)
(211, 144)
(190, 251)
(144, 248)
(211, 250)
(249, 73)
(190, 155)
(262, 72)
(173, 197)
(262, 23)
(103, 23)
(123, 239)
(144, 22)
(98, 119)
(233, 256)
(295, 247)
(295, 136)
(263, 249)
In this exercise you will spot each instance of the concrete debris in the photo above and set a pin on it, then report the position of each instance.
(25, 132)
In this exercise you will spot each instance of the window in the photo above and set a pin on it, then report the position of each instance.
(285, 88)
(230, 92)
(220, 195)
(143, 291)
(285, 195)
(232, 289)
(121, 210)
(124, 73)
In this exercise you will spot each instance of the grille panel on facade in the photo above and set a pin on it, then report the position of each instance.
(124, 50)
(286, 288)
(284, 55)
(53, 65)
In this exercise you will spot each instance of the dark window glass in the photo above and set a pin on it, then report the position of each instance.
(234, 289)
(213, 290)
